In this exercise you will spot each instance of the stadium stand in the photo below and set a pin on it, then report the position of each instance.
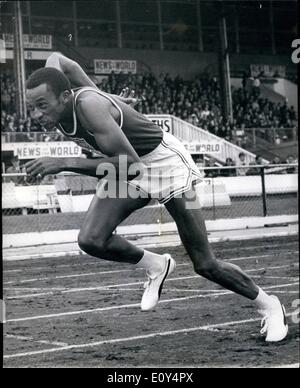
(196, 101)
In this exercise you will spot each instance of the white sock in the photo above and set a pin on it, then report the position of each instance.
(264, 301)
(152, 262)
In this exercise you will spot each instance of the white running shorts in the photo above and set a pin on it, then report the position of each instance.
(169, 171)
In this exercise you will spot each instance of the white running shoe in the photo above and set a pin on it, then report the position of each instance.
(154, 285)
(274, 322)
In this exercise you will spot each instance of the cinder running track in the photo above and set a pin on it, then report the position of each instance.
(83, 312)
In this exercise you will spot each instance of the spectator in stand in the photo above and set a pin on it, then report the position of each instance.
(291, 160)
(259, 160)
(205, 112)
(197, 101)
(292, 114)
(211, 173)
(241, 162)
(193, 119)
(276, 160)
(198, 161)
(244, 79)
(16, 168)
(6, 100)
(230, 171)
(255, 170)
(256, 85)
(252, 170)
(276, 170)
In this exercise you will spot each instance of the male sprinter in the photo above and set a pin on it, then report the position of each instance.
(105, 124)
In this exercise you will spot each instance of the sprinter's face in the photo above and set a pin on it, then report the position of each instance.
(45, 106)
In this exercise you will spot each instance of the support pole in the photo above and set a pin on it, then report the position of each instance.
(224, 68)
(119, 27)
(75, 25)
(237, 30)
(161, 34)
(199, 23)
(28, 5)
(19, 62)
(272, 31)
(264, 195)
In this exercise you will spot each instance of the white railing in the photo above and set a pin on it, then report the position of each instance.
(274, 136)
(190, 133)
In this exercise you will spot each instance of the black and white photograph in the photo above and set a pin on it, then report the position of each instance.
(149, 154)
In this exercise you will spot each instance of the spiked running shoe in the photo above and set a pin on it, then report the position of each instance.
(154, 285)
(274, 322)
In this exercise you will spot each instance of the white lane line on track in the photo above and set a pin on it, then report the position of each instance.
(291, 278)
(55, 267)
(98, 288)
(135, 338)
(13, 270)
(296, 365)
(87, 274)
(81, 275)
(265, 366)
(34, 288)
(200, 291)
(65, 276)
(84, 289)
(122, 289)
(79, 312)
(259, 257)
(281, 246)
(287, 292)
(167, 290)
(251, 247)
(23, 338)
(184, 290)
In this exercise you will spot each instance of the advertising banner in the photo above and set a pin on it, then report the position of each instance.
(268, 71)
(212, 147)
(37, 150)
(162, 121)
(108, 66)
(43, 42)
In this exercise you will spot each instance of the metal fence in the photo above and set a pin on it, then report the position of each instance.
(60, 202)
(254, 190)
(182, 130)
(274, 136)
(35, 137)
